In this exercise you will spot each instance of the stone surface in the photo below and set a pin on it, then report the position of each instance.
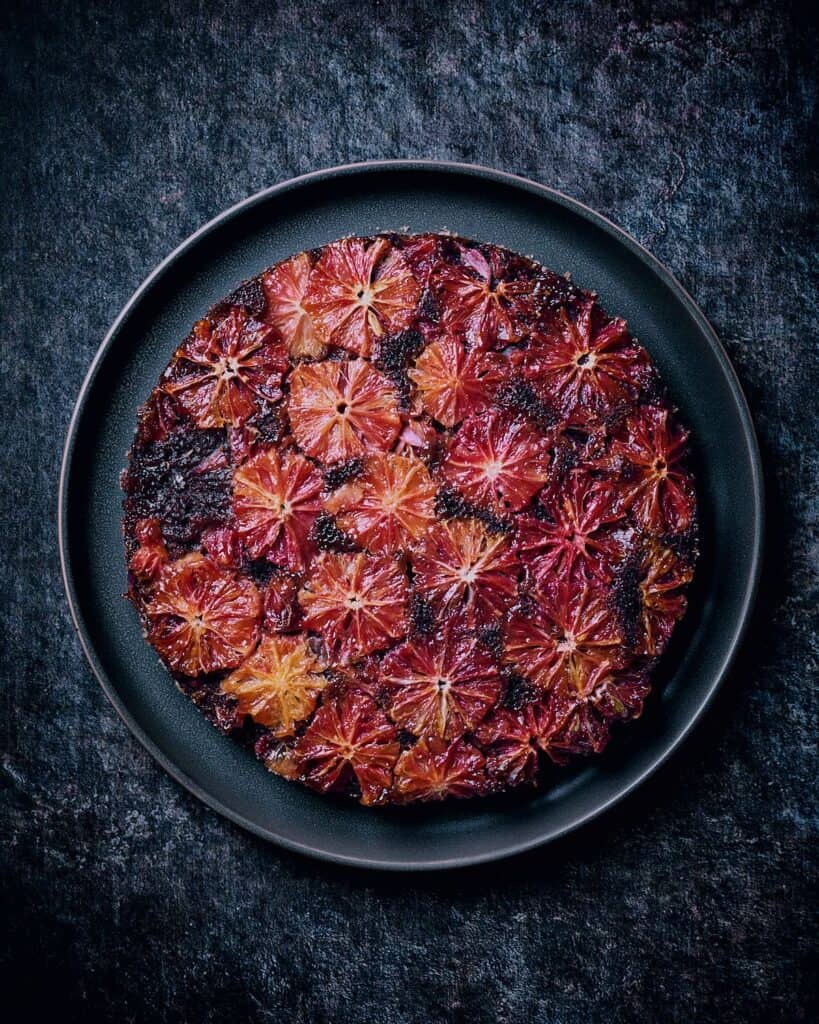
(124, 127)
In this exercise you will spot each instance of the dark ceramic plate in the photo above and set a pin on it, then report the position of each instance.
(364, 199)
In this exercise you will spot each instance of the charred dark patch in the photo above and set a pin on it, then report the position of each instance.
(422, 616)
(626, 597)
(565, 456)
(221, 709)
(351, 787)
(396, 352)
(249, 295)
(260, 571)
(519, 396)
(451, 505)
(492, 638)
(519, 692)
(270, 426)
(652, 389)
(265, 745)
(553, 292)
(406, 739)
(164, 481)
(336, 476)
(616, 418)
(539, 511)
(336, 684)
(394, 238)
(451, 248)
(429, 308)
(684, 545)
(329, 537)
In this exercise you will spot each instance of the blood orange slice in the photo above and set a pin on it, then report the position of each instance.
(357, 603)
(453, 383)
(434, 769)
(482, 300)
(511, 741)
(586, 362)
(578, 536)
(585, 732)
(464, 569)
(151, 555)
(647, 456)
(203, 618)
(222, 546)
(621, 696)
(497, 460)
(341, 410)
(350, 737)
(664, 577)
(223, 370)
(280, 602)
(276, 500)
(565, 637)
(285, 287)
(440, 686)
(359, 291)
(278, 685)
(390, 504)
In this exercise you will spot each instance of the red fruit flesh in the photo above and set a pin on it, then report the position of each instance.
(664, 577)
(567, 635)
(349, 737)
(276, 500)
(646, 454)
(356, 603)
(278, 685)
(225, 370)
(462, 569)
(285, 287)
(582, 363)
(497, 461)
(342, 410)
(577, 533)
(434, 769)
(359, 292)
(440, 686)
(511, 741)
(480, 301)
(203, 618)
(147, 561)
(388, 506)
(453, 383)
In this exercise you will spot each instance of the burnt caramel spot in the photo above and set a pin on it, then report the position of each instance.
(165, 481)
(396, 352)
(518, 693)
(449, 504)
(422, 616)
(328, 536)
(519, 396)
(343, 473)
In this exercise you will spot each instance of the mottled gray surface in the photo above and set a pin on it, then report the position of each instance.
(122, 131)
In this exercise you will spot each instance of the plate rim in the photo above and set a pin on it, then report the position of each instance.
(654, 265)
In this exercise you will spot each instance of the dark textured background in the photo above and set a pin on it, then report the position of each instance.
(122, 131)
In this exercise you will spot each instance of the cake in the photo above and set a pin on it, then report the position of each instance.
(410, 517)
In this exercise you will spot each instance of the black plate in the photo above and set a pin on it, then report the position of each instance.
(419, 196)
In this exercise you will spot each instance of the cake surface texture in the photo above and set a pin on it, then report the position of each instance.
(411, 517)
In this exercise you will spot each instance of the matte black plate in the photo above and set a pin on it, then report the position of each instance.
(419, 196)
